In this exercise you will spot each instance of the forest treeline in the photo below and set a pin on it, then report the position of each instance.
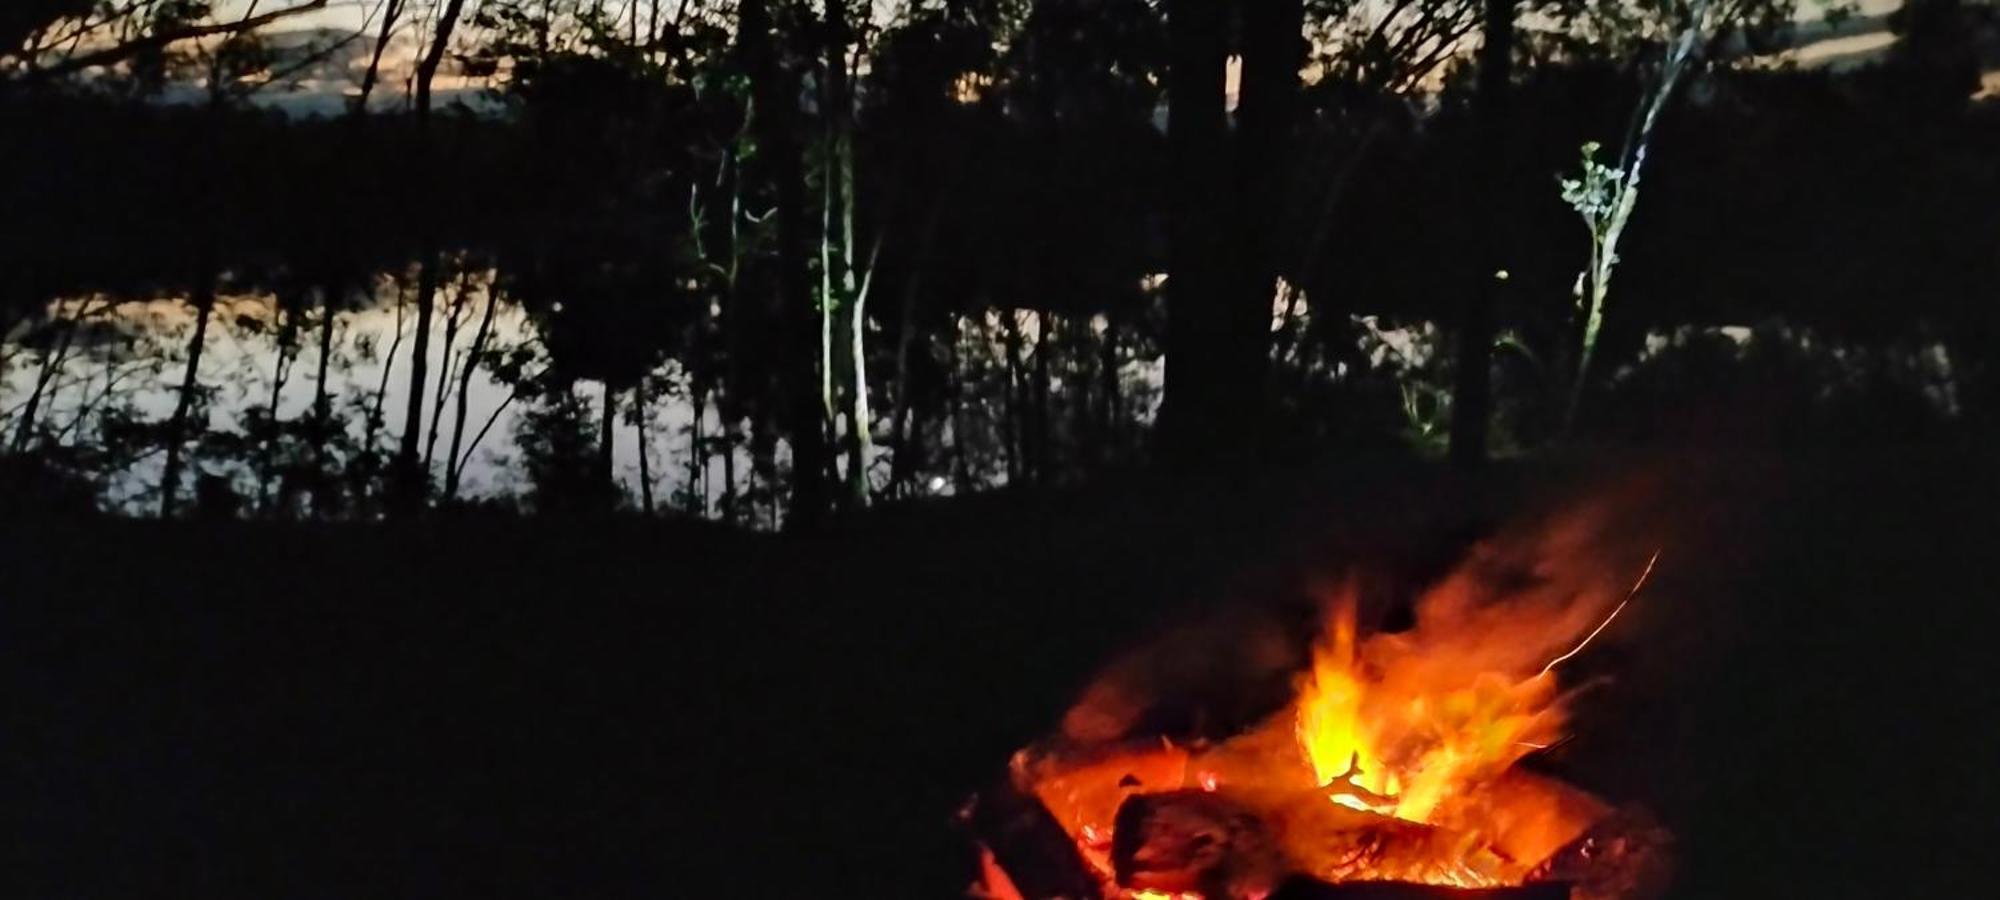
(869, 253)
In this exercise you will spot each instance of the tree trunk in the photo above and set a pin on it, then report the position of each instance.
(1472, 391)
(280, 373)
(322, 404)
(411, 478)
(1017, 441)
(170, 476)
(645, 465)
(861, 439)
(1079, 381)
(764, 466)
(408, 473)
(733, 326)
(1274, 49)
(853, 290)
(909, 456)
(25, 428)
(775, 98)
(913, 445)
(697, 483)
(729, 495)
(828, 407)
(391, 10)
(607, 476)
(1196, 387)
(955, 380)
(453, 319)
(376, 418)
(1607, 227)
(1044, 421)
(453, 466)
(829, 236)
(903, 466)
(1111, 386)
(52, 364)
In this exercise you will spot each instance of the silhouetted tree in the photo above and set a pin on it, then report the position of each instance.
(775, 93)
(411, 481)
(46, 40)
(1605, 197)
(1471, 395)
(1199, 409)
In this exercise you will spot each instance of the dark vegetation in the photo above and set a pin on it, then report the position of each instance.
(796, 260)
(650, 710)
(810, 400)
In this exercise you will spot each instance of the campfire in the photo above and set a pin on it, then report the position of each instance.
(1396, 768)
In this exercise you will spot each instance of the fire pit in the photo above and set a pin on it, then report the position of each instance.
(1393, 771)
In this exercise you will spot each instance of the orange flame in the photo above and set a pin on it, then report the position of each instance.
(1386, 738)
(1421, 725)
(1424, 726)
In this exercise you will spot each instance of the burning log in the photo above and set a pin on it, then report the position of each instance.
(1624, 856)
(1314, 889)
(1029, 845)
(1200, 841)
(1231, 844)
(1391, 775)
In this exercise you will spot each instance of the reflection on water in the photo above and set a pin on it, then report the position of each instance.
(94, 365)
(298, 405)
(300, 400)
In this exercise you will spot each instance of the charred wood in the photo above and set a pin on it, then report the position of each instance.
(1627, 855)
(1029, 844)
(1304, 888)
(1245, 843)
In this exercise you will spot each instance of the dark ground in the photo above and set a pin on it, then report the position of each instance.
(482, 709)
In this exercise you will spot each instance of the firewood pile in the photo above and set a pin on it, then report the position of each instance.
(1394, 769)
(1249, 845)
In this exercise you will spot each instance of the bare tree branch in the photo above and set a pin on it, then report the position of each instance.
(130, 48)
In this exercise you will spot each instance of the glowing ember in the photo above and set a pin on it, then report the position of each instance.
(993, 880)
